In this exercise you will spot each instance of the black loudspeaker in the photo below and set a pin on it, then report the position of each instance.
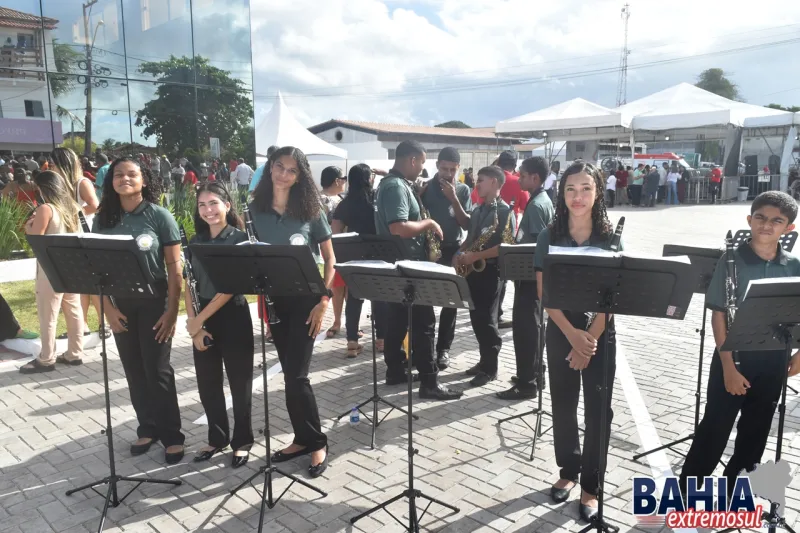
(751, 165)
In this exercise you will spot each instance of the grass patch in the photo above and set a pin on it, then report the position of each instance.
(21, 297)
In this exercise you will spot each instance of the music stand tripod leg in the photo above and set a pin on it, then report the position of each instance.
(112, 497)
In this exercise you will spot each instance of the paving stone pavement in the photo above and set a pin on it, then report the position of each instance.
(50, 437)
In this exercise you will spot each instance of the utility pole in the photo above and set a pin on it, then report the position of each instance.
(622, 84)
(87, 135)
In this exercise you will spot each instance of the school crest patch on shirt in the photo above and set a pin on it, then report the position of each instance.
(144, 242)
(297, 239)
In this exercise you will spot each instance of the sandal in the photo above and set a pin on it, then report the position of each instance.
(36, 367)
(332, 332)
(353, 349)
(62, 359)
(379, 345)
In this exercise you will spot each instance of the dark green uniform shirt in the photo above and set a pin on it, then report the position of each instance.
(537, 216)
(543, 245)
(749, 267)
(482, 220)
(442, 211)
(153, 227)
(273, 228)
(229, 235)
(396, 202)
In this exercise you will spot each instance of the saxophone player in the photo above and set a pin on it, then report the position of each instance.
(448, 202)
(754, 387)
(491, 223)
(399, 212)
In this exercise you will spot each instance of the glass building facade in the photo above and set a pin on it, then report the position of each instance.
(168, 77)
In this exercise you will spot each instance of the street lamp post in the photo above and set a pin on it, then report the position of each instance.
(87, 136)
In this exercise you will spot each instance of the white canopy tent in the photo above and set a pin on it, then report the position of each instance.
(785, 119)
(281, 128)
(573, 119)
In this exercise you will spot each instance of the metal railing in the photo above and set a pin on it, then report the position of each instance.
(698, 188)
(21, 62)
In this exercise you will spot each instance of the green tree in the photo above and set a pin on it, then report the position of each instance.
(66, 59)
(715, 81)
(222, 109)
(242, 145)
(108, 145)
(792, 109)
(452, 124)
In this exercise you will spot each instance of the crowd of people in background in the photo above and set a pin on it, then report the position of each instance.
(647, 185)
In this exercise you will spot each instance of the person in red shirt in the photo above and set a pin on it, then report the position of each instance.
(511, 192)
(715, 183)
(190, 178)
(622, 186)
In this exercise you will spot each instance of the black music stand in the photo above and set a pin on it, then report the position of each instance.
(787, 240)
(92, 264)
(369, 248)
(769, 319)
(410, 283)
(704, 261)
(268, 271)
(615, 284)
(516, 262)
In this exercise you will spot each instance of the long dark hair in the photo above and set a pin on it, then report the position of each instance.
(219, 190)
(601, 225)
(303, 202)
(359, 182)
(109, 213)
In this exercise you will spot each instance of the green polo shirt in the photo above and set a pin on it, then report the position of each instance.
(749, 267)
(273, 228)
(153, 228)
(482, 220)
(229, 235)
(537, 216)
(396, 202)
(638, 177)
(543, 245)
(441, 210)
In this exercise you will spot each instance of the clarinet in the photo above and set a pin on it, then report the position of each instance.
(191, 282)
(84, 224)
(731, 282)
(252, 235)
(617, 237)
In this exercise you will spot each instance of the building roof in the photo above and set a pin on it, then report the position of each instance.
(11, 18)
(407, 130)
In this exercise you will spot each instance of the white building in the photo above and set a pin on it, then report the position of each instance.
(25, 41)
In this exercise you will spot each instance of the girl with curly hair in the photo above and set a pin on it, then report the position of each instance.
(576, 343)
(143, 327)
(286, 210)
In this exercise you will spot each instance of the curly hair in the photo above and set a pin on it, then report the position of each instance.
(218, 189)
(601, 225)
(109, 213)
(303, 202)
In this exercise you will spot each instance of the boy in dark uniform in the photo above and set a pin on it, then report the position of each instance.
(527, 325)
(755, 387)
(398, 213)
(493, 219)
(448, 202)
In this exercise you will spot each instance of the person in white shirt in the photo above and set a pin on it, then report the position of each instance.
(550, 182)
(662, 181)
(672, 186)
(611, 188)
(241, 178)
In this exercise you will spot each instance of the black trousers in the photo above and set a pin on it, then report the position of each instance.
(422, 331)
(232, 329)
(8, 324)
(611, 196)
(151, 379)
(485, 290)
(352, 317)
(565, 385)
(635, 194)
(526, 331)
(764, 371)
(447, 316)
(295, 348)
(713, 190)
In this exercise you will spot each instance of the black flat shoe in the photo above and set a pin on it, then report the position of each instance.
(443, 359)
(140, 449)
(318, 470)
(587, 513)
(561, 495)
(62, 360)
(206, 455)
(400, 379)
(240, 460)
(280, 457)
(482, 379)
(175, 457)
(439, 392)
(475, 370)
(517, 393)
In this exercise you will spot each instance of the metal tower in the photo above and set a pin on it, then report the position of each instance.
(622, 83)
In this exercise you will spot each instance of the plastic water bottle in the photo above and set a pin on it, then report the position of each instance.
(354, 417)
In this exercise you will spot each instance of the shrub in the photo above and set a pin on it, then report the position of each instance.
(13, 215)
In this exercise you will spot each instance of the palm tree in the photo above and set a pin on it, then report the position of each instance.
(65, 59)
(108, 145)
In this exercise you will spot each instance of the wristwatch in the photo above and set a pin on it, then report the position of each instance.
(328, 295)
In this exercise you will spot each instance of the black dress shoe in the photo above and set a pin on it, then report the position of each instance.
(439, 392)
(475, 370)
(139, 449)
(482, 379)
(206, 455)
(443, 359)
(280, 457)
(540, 381)
(318, 470)
(174, 457)
(240, 460)
(517, 393)
(561, 495)
(400, 379)
(587, 513)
